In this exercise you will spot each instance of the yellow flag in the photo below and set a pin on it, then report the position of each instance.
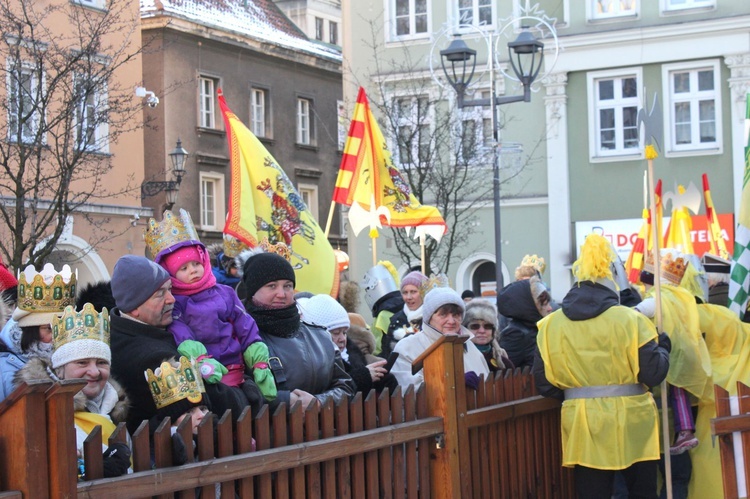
(263, 203)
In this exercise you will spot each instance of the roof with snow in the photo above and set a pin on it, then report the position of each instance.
(257, 19)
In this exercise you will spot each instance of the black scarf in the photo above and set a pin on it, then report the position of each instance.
(282, 322)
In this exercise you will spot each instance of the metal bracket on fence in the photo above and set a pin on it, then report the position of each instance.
(440, 440)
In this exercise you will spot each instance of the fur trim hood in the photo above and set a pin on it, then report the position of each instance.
(364, 340)
(39, 370)
(5, 313)
(213, 251)
(98, 294)
(243, 257)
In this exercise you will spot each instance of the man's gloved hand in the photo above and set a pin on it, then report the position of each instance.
(116, 460)
(256, 358)
(211, 369)
(665, 342)
(179, 450)
(472, 380)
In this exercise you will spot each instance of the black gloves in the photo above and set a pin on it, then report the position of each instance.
(472, 380)
(179, 450)
(116, 460)
(665, 342)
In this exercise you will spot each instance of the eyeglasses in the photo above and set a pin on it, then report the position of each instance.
(477, 327)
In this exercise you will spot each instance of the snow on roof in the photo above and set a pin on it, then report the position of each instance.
(258, 19)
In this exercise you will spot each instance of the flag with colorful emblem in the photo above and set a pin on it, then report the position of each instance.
(739, 283)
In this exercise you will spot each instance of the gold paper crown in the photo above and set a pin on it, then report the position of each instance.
(536, 262)
(172, 383)
(672, 266)
(88, 324)
(46, 291)
(171, 230)
(279, 248)
(233, 246)
(432, 282)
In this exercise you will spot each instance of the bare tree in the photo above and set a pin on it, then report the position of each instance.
(445, 154)
(62, 110)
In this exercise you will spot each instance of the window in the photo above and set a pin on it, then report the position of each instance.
(309, 195)
(615, 100)
(604, 9)
(672, 5)
(24, 110)
(476, 12)
(694, 113)
(207, 108)
(410, 18)
(91, 127)
(97, 4)
(475, 133)
(318, 28)
(333, 33)
(413, 130)
(212, 201)
(260, 112)
(304, 122)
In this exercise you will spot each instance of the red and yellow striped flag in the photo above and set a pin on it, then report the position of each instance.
(634, 265)
(367, 170)
(264, 204)
(658, 218)
(718, 246)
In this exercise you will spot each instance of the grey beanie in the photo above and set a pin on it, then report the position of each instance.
(134, 280)
(480, 309)
(436, 298)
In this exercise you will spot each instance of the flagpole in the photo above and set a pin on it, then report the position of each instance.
(421, 246)
(330, 218)
(374, 251)
(650, 155)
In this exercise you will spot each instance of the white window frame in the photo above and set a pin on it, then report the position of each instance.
(409, 121)
(596, 152)
(217, 203)
(333, 32)
(260, 114)
(319, 28)
(593, 15)
(695, 146)
(669, 6)
(305, 132)
(207, 86)
(411, 35)
(96, 4)
(37, 117)
(309, 195)
(480, 115)
(475, 9)
(100, 97)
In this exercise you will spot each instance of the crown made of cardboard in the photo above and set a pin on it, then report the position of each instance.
(88, 324)
(172, 230)
(233, 246)
(46, 291)
(279, 248)
(672, 266)
(536, 262)
(172, 383)
(432, 282)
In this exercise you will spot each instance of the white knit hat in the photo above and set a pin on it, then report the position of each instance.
(438, 297)
(81, 335)
(325, 311)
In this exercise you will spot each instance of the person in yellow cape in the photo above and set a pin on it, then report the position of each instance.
(600, 357)
(81, 351)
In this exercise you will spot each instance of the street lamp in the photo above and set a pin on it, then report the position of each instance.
(526, 54)
(171, 188)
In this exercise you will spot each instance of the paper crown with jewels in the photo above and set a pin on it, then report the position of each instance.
(80, 335)
(279, 248)
(46, 291)
(434, 281)
(233, 246)
(173, 383)
(672, 265)
(171, 233)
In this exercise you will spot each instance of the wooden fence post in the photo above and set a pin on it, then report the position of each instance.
(446, 398)
(63, 477)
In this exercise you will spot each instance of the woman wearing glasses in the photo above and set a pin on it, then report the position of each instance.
(481, 320)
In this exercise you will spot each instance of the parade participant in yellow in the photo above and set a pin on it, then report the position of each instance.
(600, 357)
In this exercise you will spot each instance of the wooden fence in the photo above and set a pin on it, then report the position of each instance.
(443, 440)
(725, 426)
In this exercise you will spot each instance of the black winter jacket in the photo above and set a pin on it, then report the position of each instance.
(518, 337)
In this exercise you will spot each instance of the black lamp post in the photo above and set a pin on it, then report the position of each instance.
(460, 60)
(171, 188)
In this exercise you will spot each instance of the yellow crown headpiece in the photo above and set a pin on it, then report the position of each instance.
(46, 291)
(171, 231)
(88, 324)
(536, 262)
(279, 248)
(595, 259)
(233, 246)
(434, 281)
(172, 383)
(672, 265)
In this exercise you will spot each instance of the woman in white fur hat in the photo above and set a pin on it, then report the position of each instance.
(481, 320)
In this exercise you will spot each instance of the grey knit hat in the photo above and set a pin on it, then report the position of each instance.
(438, 297)
(134, 280)
(480, 309)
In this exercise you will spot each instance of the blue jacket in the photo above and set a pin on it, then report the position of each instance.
(10, 360)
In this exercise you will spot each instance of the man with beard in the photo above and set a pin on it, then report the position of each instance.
(140, 340)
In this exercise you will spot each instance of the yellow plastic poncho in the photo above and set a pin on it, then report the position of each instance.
(610, 432)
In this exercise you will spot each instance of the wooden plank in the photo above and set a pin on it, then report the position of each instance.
(162, 456)
(328, 468)
(296, 436)
(245, 444)
(342, 467)
(185, 429)
(206, 450)
(371, 458)
(312, 471)
(263, 442)
(119, 436)
(426, 446)
(279, 425)
(357, 461)
(726, 445)
(410, 448)
(397, 416)
(141, 448)
(224, 448)
(385, 455)
(61, 435)
(92, 454)
(514, 409)
(743, 394)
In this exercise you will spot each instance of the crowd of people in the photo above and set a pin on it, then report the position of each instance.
(196, 330)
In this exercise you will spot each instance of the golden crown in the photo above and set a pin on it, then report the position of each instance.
(537, 262)
(233, 246)
(171, 230)
(172, 383)
(88, 324)
(672, 266)
(434, 281)
(279, 248)
(46, 291)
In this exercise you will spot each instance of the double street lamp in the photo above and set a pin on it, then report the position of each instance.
(526, 54)
(178, 157)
